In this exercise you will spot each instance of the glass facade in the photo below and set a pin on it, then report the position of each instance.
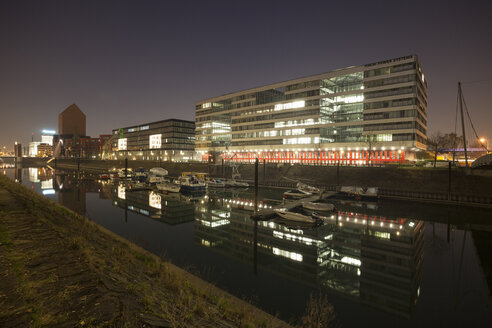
(168, 140)
(368, 107)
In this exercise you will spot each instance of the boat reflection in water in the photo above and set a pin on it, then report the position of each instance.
(373, 259)
(173, 208)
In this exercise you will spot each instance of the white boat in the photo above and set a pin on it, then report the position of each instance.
(322, 207)
(139, 174)
(359, 192)
(190, 183)
(214, 183)
(292, 216)
(308, 188)
(234, 183)
(168, 186)
(157, 175)
(121, 173)
(296, 194)
(324, 217)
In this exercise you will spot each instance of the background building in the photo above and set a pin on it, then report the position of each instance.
(17, 149)
(85, 147)
(167, 140)
(71, 122)
(375, 113)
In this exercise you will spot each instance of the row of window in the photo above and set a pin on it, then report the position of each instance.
(390, 92)
(390, 103)
(390, 69)
(388, 115)
(390, 81)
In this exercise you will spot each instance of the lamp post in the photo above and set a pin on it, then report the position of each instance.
(484, 142)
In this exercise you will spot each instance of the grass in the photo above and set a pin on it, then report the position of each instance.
(5, 237)
(160, 288)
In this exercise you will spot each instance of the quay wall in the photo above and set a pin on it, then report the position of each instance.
(468, 186)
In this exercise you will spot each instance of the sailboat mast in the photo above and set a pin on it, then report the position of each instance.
(460, 94)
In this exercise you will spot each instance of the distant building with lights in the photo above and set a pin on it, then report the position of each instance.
(374, 113)
(17, 149)
(72, 141)
(85, 147)
(167, 140)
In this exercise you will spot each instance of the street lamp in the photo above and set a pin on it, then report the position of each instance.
(484, 143)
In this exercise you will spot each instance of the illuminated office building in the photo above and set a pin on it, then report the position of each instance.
(167, 140)
(374, 113)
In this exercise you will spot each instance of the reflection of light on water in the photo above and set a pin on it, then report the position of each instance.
(350, 260)
(33, 174)
(47, 184)
(121, 192)
(214, 224)
(155, 200)
(288, 236)
(287, 254)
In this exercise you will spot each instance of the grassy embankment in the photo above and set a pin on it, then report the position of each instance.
(58, 268)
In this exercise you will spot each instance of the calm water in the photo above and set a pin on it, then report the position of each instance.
(388, 263)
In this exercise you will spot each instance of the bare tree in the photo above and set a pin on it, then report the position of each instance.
(371, 141)
(440, 142)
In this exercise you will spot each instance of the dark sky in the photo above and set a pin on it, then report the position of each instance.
(131, 62)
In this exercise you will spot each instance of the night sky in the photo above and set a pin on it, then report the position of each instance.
(130, 62)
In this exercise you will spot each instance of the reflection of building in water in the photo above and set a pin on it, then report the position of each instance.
(171, 209)
(39, 174)
(44, 176)
(73, 197)
(18, 174)
(371, 258)
(72, 192)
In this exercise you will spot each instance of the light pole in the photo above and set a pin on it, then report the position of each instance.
(484, 142)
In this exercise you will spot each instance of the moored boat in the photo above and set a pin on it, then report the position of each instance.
(360, 192)
(292, 216)
(140, 174)
(168, 186)
(190, 183)
(214, 183)
(157, 175)
(308, 188)
(232, 183)
(296, 194)
(321, 207)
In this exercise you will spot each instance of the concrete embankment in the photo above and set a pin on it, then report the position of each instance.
(59, 269)
(460, 186)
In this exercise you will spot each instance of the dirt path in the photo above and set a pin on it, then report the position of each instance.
(59, 269)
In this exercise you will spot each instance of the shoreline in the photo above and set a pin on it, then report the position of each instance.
(59, 268)
(458, 187)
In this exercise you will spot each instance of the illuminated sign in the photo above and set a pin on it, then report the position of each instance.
(49, 131)
(155, 141)
(294, 104)
(155, 200)
(122, 144)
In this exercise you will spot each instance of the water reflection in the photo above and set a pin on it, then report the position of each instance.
(366, 253)
(375, 259)
(170, 209)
